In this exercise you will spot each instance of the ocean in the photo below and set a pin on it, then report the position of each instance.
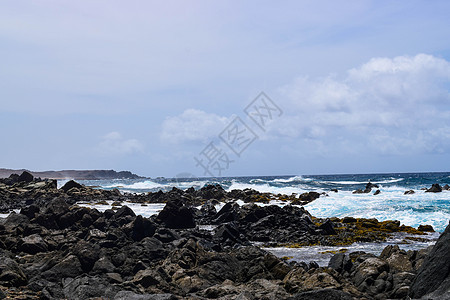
(391, 204)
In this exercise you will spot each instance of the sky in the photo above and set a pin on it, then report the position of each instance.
(163, 88)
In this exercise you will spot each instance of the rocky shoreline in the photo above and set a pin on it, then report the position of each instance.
(55, 249)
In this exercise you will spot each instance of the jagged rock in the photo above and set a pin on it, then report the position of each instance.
(306, 198)
(368, 270)
(33, 244)
(176, 215)
(10, 273)
(123, 215)
(399, 262)
(228, 213)
(370, 185)
(103, 265)
(425, 228)
(328, 228)
(435, 188)
(340, 262)
(323, 294)
(446, 187)
(56, 207)
(30, 211)
(128, 295)
(409, 192)
(71, 184)
(147, 278)
(88, 287)
(87, 254)
(13, 178)
(25, 177)
(347, 220)
(69, 266)
(377, 192)
(228, 234)
(434, 274)
(14, 221)
(211, 191)
(142, 227)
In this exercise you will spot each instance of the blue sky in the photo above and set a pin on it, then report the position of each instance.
(145, 86)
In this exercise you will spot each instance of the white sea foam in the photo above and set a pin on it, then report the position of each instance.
(347, 182)
(145, 210)
(292, 179)
(142, 185)
(187, 184)
(6, 215)
(267, 188)
(391, 204)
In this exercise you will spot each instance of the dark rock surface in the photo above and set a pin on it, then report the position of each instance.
(53, 249)
(434, 274)
(435, 188)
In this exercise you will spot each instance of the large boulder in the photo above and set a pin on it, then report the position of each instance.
(434, 274)
(142, 227)
(71, 184)
(88, 287)
(308, 197)
(211, 191)
(435, 188)
(11, 273)
(33, 244)
(176, 215)
(25, 177)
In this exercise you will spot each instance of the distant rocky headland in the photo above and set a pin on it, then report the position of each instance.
(74, 174)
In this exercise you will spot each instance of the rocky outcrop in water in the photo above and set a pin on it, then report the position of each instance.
(435, 188)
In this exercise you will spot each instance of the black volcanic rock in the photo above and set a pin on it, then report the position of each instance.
(211, 191)
(306, 198)
(176, 215)
(323, 294)
(370, 185)
(71, 184)
(433, 276)
(25, 177)
(435, 188)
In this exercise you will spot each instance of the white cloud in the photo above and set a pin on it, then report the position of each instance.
(392, 106)
(114, 143)
(192, 126)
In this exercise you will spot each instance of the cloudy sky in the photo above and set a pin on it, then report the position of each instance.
(155, 87)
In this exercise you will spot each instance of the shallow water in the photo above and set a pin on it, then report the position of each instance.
(322, 254)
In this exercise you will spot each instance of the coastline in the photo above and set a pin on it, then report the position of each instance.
(74, 174)
(182, 225)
